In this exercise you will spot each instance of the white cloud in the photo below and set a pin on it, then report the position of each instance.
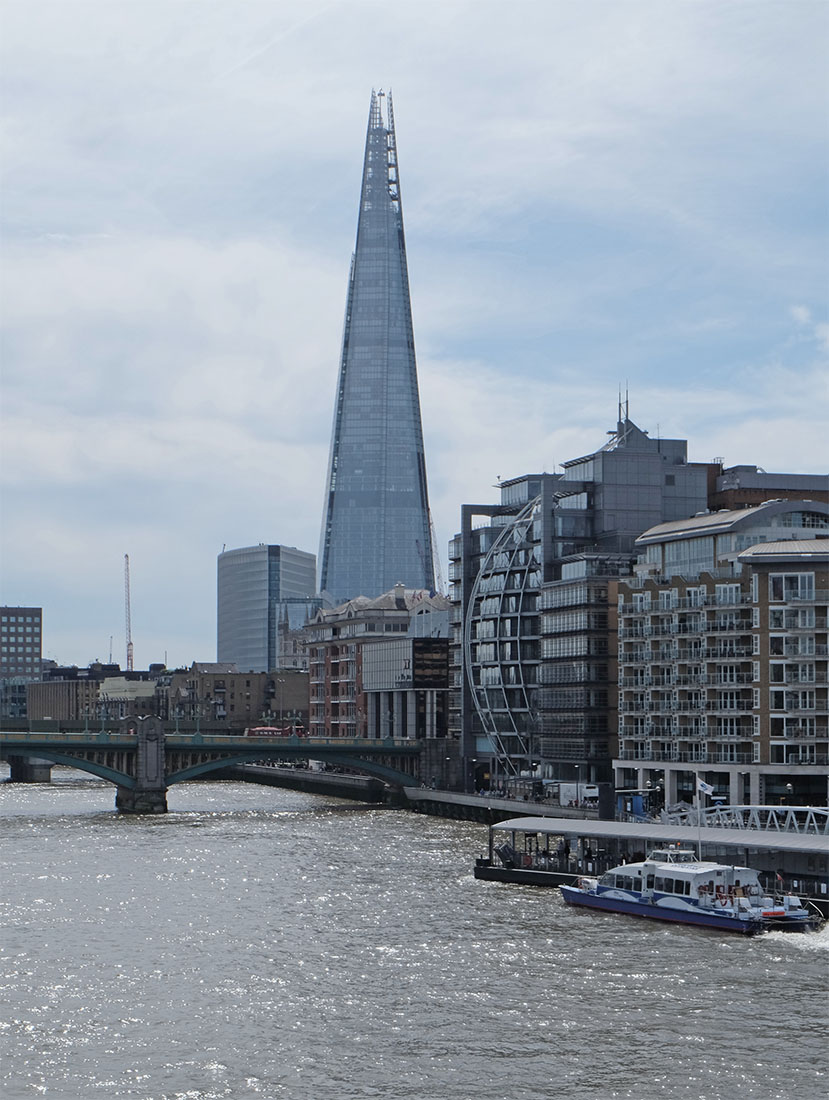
(594, 194)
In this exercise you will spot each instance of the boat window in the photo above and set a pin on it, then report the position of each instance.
(608, 879)
(659, 883)
(637, 882)
(650, 882)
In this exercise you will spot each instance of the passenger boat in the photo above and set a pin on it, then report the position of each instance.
(673, 885)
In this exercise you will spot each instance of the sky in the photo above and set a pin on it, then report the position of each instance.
(596, 195)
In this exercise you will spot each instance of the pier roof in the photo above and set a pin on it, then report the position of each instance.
(652, 833)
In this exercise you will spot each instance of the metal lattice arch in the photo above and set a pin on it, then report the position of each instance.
(501, 647)
(775, 819)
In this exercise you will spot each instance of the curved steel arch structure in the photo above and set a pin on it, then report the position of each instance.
(499, 658)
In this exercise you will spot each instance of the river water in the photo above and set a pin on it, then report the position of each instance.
(256, 942)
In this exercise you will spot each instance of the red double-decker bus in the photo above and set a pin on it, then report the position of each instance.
(275, 731)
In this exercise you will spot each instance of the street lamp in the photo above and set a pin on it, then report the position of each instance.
(578, 788)
(280, 699)
(789, 793)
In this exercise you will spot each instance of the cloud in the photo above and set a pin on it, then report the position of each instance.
(594, 195)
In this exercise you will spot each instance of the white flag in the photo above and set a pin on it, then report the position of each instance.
(705, 788)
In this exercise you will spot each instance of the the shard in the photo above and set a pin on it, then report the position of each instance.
(376, 528)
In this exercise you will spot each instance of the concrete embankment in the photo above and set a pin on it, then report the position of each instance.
(357, 787)
(423, 800)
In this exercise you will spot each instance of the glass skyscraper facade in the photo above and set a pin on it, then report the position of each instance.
(263, 591)
(376, 528)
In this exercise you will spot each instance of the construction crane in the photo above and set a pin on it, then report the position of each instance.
(127, 610)
(439, 582)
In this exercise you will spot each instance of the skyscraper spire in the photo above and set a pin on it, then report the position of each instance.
(376, 529)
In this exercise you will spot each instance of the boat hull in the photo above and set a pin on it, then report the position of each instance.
(700, 918)
(487, 871)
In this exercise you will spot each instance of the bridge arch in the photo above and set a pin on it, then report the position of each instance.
(102, 771)
(369, 767)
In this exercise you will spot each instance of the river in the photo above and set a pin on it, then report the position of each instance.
(256, 942)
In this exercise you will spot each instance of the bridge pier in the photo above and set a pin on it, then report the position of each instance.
(29, 769)
(129, 800)
(149, 795)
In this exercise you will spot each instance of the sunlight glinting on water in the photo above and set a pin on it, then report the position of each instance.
(258, 942)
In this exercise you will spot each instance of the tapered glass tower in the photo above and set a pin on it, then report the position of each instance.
(376, 529)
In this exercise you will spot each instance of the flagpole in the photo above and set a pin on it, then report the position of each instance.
(699, 819)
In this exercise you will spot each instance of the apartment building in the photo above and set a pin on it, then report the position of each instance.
(722, 657)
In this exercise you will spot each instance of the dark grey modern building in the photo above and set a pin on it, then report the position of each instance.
(376, 529)
(531, 666)
(264, 594)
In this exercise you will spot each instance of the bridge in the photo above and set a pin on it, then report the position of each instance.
(773, 819)
(145, 757)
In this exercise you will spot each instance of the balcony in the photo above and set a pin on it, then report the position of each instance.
(818, 625)
(795, 734)
(677, 756)
(731, 653)
(648, 730)
(717, 627)
(636, 657)
(792, 678)
(819, 595)
(634, 632)
(741, 706)
(718, 600)
(818, 759)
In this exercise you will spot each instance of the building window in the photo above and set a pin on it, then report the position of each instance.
(791, 586)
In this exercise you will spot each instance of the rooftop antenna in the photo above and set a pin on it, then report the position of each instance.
(127, 611)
